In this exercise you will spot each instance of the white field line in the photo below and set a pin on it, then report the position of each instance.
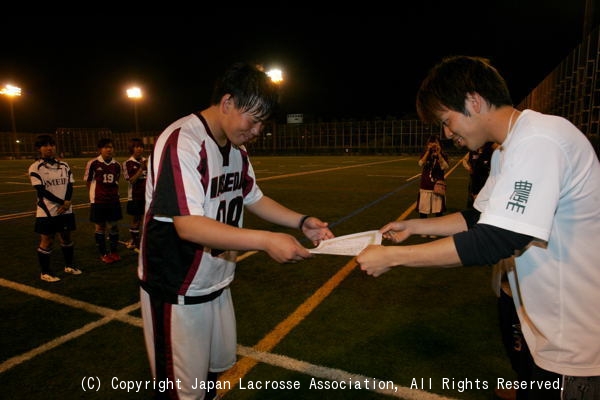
(109, 315)
(30, 190)
(249, 355)
(331, 374)
(124, 200)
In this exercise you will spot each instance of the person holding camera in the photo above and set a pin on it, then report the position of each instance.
(431, 198)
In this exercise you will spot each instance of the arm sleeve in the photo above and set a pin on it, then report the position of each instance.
(487, 244)
(69, 193)
(471, 217)
(444, 162)
(42, 193)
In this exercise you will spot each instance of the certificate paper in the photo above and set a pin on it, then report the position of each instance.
(348, 245)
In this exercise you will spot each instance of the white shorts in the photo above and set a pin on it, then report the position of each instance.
(185, 342)
(430, 203)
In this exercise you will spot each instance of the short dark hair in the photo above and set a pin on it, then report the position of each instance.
(448, 83)
(44, 140)
(133, 143)
(433, 138)
(104, 142)
(251, 89)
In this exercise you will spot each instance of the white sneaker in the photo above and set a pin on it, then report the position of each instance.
(72, 270)
(49, 278)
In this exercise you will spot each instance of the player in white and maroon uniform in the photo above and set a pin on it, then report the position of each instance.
(102, 176)
(199, 182)
(540, 203)
(53, 182)
(134, 172)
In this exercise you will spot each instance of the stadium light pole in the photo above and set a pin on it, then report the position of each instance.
(11, 92)
(276, 76)
(135, 94)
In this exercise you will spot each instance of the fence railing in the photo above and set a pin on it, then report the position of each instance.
(347, 137)
(572, 89)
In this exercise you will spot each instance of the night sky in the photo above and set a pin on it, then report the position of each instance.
(74, 70)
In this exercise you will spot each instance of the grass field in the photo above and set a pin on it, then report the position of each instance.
(411, 333)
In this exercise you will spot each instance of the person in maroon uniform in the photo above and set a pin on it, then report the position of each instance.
(134, 171)
(200, 184)
(478, 164)
(102, 176)
(434, 162)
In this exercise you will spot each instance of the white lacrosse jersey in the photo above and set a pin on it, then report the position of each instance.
(189, 174)
(55, 176)
(545, 182)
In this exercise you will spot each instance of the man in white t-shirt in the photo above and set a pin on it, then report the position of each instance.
(540, 203)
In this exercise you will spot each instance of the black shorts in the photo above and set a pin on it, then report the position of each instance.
(100, 213)
(135, 207)
(57, 224)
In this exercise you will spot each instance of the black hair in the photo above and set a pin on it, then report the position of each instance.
(44, 140)
(448, 83)
(104, 142)
(433, 139)
(133, 143)
(250, 88)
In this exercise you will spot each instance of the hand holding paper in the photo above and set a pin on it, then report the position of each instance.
(348, 245)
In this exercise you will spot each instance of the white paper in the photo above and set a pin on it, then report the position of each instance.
(348, 245)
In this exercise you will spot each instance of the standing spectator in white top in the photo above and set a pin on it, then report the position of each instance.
(540, 203)
(53, 182)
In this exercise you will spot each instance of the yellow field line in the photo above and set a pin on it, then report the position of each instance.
(245, 364)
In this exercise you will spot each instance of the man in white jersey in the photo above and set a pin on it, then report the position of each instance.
(53, 183)
(200, 181)
(540, 203)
